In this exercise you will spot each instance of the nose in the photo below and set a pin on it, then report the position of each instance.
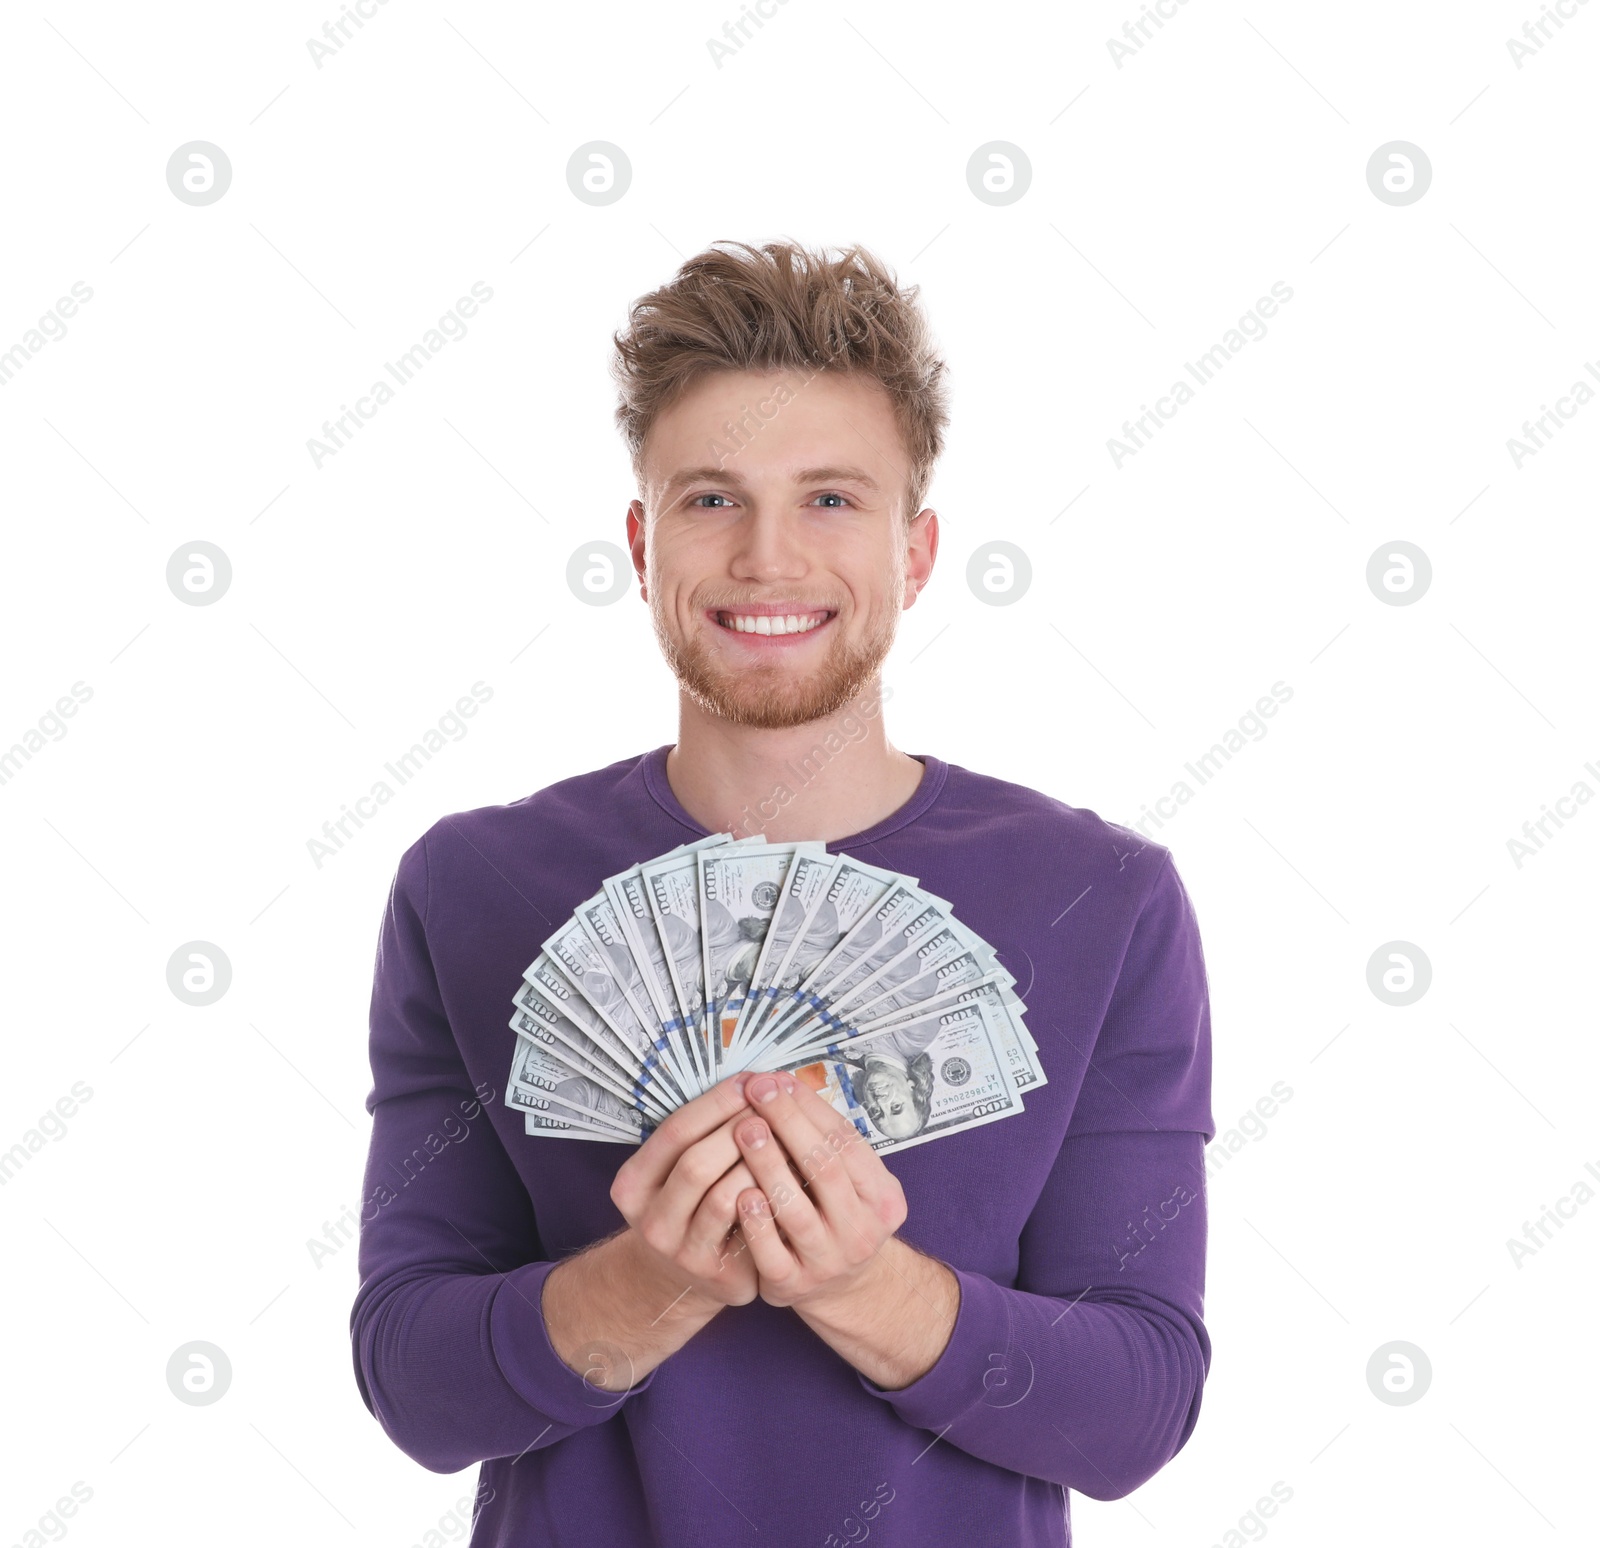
(767, 546)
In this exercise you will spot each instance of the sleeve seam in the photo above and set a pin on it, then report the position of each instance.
(1138, 916)
(1127, 945)
(1161, 870)
(427, 882)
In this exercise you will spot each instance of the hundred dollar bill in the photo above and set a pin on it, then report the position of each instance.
(604, 927)
(823, 897)
(546, 1126)
(803, 888)
(632, 908)
(558, 1045)
(1016, 1043)
(937, 959)
(672, 887)
(540, 1084)
(629, 899)
(892, 975)
(852, 915)
(739, 889)
(821, 1038)
(911, 1084)
(546, 989)
(904, 912)
(583, 962)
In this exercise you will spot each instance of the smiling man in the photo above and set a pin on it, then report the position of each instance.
(755, 1328)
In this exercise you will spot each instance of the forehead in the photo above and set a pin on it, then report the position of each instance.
(760, 421)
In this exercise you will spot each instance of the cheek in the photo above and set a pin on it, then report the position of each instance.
(687, 562)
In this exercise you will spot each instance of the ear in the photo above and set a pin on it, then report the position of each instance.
(636, 543)
(922, 546)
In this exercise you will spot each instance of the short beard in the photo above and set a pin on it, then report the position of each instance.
(771, 700)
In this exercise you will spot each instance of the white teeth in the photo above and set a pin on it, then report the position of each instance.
(763, 623)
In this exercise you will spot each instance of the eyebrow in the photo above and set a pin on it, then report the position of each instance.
(715, 475)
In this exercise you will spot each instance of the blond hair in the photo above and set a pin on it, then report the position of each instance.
(782, 307)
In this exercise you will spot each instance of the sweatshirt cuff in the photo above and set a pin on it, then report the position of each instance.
(520, 1343)
(977, 1364)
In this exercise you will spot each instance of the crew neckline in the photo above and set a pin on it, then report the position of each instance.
(934, 770)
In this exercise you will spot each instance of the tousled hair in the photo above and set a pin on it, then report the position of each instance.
(782, 307)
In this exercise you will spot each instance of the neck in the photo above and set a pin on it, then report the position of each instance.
(824, 780)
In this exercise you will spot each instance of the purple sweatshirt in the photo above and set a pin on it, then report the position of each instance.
(1076, 1229)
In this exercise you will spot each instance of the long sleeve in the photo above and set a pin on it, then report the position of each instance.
(451, 1351)
(1088, 1371)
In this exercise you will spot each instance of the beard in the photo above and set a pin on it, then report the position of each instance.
(777, 697)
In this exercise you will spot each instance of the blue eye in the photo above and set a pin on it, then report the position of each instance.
(695, 501)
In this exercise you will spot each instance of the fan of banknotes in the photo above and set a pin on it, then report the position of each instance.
(735, 954)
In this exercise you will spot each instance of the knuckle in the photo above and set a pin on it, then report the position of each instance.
(724, 1195)
(698, 1168)
(657, 1237)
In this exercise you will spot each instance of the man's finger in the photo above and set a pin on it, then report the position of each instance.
(775, 1264)
(650, 1165)
(696, 1172)
(861, 1162)
(829, 1185)
(770, 1163)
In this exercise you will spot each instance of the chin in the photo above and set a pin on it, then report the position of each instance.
(763, 710)
(773, 700)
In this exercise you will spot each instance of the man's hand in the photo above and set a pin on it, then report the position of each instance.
(616, 1310)
(678, 1192)
(824, 1203)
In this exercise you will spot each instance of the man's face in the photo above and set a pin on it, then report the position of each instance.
(890, 1100)
(777, 562)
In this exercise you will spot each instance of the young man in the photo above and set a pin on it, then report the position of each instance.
(753, 1328)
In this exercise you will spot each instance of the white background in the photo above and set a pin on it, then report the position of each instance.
(1168, 595)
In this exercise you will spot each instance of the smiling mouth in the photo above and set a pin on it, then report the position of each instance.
(772, 625)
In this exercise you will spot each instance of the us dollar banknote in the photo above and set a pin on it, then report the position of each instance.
(732, 954)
